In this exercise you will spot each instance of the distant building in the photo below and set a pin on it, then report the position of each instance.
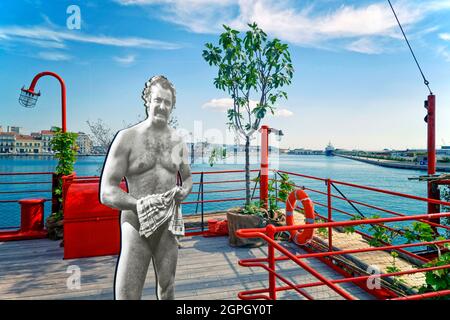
(84, 142)
(36, 135)
(7, 142)
(46, 137)
(27, 144)
(422, 160)
(13, 129)
(98, 150)
(443, 152)
(302, 151)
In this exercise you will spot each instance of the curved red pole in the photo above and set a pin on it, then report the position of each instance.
(63, 93)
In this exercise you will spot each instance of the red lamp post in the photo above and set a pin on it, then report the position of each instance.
(28, 97)
(264, 177)
(430, 119)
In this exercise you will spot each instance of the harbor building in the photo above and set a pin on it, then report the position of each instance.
(14, 129)
(302, 151)
(46, 137)
(27, 144)
(84, 142)
(7, 142)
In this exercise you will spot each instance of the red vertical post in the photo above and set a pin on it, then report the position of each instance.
(264, 177)
(63, 105)
(431, 148)
(330, 213)
(431, 145)
(270, 231)
(31, 215)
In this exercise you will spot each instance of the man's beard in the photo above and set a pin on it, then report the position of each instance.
(160, 119)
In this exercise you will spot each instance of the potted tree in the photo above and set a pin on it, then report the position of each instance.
(249, 66)
(256, 215)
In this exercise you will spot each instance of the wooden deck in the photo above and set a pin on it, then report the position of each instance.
(207, 269)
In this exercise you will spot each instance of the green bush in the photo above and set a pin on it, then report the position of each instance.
(65, 148)
(437, 280)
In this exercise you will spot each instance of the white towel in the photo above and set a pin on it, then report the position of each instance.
(155, 209)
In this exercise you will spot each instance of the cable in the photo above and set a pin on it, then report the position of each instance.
(425, 81)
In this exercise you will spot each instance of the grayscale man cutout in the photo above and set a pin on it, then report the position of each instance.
(153, 159)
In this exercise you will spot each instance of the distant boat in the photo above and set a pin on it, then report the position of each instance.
(329, 150)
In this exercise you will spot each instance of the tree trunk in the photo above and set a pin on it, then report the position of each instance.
(247, 170)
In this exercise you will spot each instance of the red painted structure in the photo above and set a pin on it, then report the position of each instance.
(264, 173)
(63, 93)
(91, 223)
(31, 210)
(217, 227)
(269, 263)
(328, 255)
(431, 134)
(264, 177)
(433, 192)
(90, 228)
(31, 222)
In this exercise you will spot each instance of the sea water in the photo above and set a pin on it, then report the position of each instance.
(335, 168)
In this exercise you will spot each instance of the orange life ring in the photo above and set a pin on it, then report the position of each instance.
(304, 236)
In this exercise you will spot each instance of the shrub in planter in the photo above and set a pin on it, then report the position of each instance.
(255, 215)
(65, 148)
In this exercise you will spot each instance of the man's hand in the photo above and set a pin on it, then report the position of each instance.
(180, 194)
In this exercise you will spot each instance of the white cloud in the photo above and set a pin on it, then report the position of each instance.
(437, 5)
(55, 37)
(200, 16)
(444, 52)
(223, 104)
(283, 113)
(364, 45)
(308, 28)
(125, 60)
(445, 36)
(303, 26)
(53, 56)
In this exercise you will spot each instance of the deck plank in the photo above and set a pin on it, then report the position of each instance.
(207, 269)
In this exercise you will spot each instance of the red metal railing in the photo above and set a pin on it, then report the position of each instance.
(268, 235)
(14, 191)
(202, 201)
(327, 256)
(30, 225)
(269, 263)
(331, 208)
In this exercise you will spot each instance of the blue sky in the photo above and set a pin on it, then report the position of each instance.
(355, 83)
